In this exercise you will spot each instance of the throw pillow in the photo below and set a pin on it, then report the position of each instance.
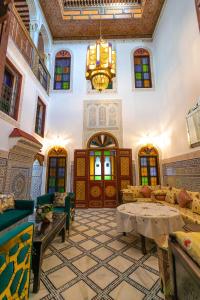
(136, 191)
(146, 192)
(59, 199)
(160, 197)
(184, 199)
(170, 197)
(196, 206)
(7, 201)
(160, 192)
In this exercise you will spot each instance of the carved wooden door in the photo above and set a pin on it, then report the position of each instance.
(102, 185)
(100, 174)
(125, 173)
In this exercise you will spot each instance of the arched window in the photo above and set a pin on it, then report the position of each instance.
(149, 166)
(62, 70)
(142, 68)
(102, 140)
(57, 163)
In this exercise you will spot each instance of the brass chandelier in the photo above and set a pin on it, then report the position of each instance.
(101, 64)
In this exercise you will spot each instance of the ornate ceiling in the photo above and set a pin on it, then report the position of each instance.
(80, 19)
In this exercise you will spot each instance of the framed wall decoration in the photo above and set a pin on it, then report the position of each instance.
(193, 125)
(198, 11)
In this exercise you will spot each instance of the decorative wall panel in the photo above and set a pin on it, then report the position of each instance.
(102, 115)
(3, 168)
(124, 166)
(183, 174)
(80, 190)
(19, 168)
(80, 167)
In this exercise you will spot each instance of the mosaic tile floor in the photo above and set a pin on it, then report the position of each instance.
(96, 262)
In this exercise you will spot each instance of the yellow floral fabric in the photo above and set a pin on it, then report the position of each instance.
(190, 242)
(7, 202)
(196, 206)
(170, 197)
(136, 191)
(160, 192)
(59, 199)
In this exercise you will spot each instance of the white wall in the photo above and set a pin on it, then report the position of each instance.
(66, 109)
(30, 90)
(177, 48)
(154, 116)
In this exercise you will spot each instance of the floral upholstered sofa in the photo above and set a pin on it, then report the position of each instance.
(187, 202)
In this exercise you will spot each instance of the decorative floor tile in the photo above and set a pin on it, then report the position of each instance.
(143, 277)
(102, 253)
(79, 291)
(84, 263)
(114, 233)
(61, 277)
(125, 291)
(120, 263)
(93, 224)
(59, 245)
(103, 221)
(117, 245)
(43, 292)
(134, 253)
(81, 228)
(98, 263)
(102, 238)
(77, 238)
(71, 252)
(50, 262)
(91, 232)
(102, 277)
(88, 245)
(103, 228)
(152, 262)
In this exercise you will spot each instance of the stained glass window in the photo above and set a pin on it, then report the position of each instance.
(62, 70)
(142, 68)
(56, 171)
(148, 163)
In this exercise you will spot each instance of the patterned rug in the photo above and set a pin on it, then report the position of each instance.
(96, 262)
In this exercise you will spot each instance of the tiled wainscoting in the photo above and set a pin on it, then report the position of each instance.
(96, 262)
(183, 173)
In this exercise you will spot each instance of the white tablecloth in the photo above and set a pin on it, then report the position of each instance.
(148, 219)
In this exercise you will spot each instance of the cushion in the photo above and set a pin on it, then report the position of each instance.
(146, 191)
(176, 192)
(9, 217)
(136, 191)
(196, 206)
(190, 242)
(158, 197)
(170, 197)
(184, 199)
(160, 192)
(7, 201)
(59, 199)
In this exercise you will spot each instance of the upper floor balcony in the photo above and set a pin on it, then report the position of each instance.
(24, 43)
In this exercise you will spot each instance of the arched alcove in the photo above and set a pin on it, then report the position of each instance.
(149, 165)
(56, 170)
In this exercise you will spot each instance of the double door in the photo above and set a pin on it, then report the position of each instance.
(102, 183)
(99, 174)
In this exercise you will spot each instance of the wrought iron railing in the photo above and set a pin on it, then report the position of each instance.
(24, 43)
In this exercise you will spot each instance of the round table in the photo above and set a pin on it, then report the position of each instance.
(152, 220)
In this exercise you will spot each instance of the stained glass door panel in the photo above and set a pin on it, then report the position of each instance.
(102, 178)
(57, 174)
